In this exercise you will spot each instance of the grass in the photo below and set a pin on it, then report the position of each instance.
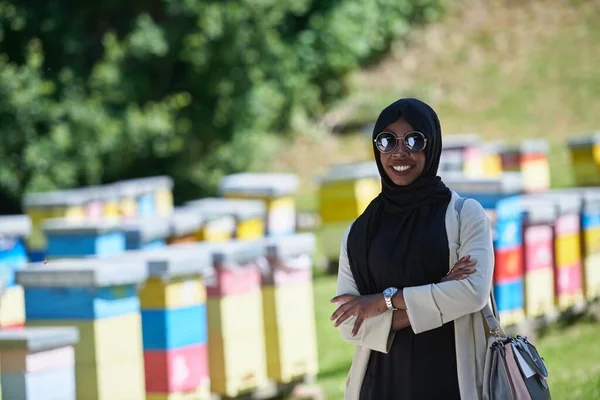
(572, 353)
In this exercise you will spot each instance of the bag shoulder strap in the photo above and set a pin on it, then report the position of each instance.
(490, 314)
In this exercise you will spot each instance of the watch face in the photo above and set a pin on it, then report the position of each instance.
(389, 292)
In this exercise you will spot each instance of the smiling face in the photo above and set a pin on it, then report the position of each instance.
(402, 166)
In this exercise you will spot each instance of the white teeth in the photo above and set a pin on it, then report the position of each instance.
(402, 168)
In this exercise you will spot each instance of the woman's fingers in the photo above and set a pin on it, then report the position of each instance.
(459, 274)
(342, 318)
(357, 324)
(341, 309)
(461, 265)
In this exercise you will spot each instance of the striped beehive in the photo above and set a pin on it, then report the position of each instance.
(538, 240)
(288, 308)
(174, 322)
(38, 363)
(534, 165)
(590, 224)
(568, 259)
(235, 333)
(508, 270)
(100, 299)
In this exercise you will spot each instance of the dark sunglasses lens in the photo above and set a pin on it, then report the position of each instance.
(385, 142)
(414, 142)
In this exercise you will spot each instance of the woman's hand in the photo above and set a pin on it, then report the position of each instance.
(359, 306)
(461, 270)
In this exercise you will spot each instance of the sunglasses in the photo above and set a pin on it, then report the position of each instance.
(414, 141)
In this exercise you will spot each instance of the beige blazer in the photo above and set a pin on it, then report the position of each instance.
(430, 306)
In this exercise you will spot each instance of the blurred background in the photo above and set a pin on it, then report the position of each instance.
(230, 142)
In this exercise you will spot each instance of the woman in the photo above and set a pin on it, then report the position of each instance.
(409, 291)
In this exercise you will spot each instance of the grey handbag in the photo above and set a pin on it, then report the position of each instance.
(513, 369)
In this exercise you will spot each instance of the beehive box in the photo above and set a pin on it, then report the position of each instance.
(98, 298)
(153, 196)
(538, 240)
(174, 320)
(14, 229)
(590, 224)
(184, 224)
(37, 361)
(275, 190)
(465, 149)
(585, 159)
(83, 238)
(288, 308)
(236, 334)
(12, 307)
(508, 270)
(567, 249)
(249, 215)
(40, 207)
(344, 193)
(535, 166)
(492, 159)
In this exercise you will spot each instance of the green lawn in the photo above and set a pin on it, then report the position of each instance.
(572, 353)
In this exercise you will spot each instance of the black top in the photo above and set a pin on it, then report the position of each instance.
(423, 366)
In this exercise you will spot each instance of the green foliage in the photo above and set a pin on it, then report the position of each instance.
(93, 92)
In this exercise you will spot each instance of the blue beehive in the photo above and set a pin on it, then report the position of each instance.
(100, 299)
(68, 238)
(14, 229)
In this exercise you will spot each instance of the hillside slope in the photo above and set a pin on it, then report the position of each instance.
(506, 69)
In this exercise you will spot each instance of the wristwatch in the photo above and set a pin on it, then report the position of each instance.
(387, 295)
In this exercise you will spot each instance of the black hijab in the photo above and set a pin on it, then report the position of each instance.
(414, 199)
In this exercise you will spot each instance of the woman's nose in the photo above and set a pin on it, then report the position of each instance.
(400, 148)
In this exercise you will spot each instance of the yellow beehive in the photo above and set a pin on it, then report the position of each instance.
(235, 343)
(12, 307)
(492, 159)
(109, 357)
(290, 320)
(288, 308)
(42, 206)
(218, 230)
(592, 276)
(164, 202)
(591, 237)
(585, 159)
(250, 229)
(568, 249)
(344, 193)
(242, 218)
(274, 190)
(174, 293)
